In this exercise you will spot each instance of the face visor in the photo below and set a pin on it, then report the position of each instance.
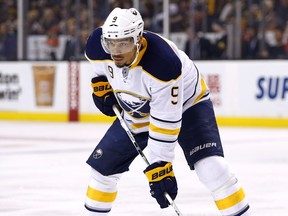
(117, 46)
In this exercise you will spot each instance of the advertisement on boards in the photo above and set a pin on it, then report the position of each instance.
(44, 84)
(218, 76)
(239, 89)
(33, 87)
(10, 87)
(263, 92)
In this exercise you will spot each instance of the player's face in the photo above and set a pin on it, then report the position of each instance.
(123, 51)
(125, 59)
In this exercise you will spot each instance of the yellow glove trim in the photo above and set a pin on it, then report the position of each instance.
(159, 173)
(101, 88)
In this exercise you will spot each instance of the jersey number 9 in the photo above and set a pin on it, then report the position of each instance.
(174, 94)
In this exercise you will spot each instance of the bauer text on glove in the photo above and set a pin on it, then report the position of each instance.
(161, 180)
(103, 95)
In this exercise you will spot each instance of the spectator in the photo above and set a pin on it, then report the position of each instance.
(43, 16)
(250, 43)
(285, 38)
(52, 42)
(218, 49)
(8, 43)
(35, 28)
(148, 11)
(8, 30)
(71, 42)
(272, 20)
(178, 21)
(277, 51)
(192, 47)
(282, 10)
(3, 33)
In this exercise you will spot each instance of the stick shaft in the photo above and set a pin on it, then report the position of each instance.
(140, 152)
(125, 127)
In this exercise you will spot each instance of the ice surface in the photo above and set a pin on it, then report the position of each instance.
(43, 172)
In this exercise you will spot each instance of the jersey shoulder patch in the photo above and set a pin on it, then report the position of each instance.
(94, 49)
(160, 60)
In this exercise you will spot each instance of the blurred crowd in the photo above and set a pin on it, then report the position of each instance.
(206, 24)
(8, 30)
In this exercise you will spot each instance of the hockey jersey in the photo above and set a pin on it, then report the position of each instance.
(154, 91)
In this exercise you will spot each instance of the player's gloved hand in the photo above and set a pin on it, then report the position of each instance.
(161, 179)
(103, 95)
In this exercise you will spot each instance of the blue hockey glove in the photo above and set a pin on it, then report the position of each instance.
(103, 96)
(161, 179)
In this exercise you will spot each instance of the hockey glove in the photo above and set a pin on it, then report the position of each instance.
(103, 95)
(161, 179)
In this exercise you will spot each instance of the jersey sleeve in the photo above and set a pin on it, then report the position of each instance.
(165, 119)
(166, 89)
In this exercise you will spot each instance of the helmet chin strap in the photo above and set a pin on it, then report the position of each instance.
(138, 46)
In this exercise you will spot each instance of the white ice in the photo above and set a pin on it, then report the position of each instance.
(43, 172)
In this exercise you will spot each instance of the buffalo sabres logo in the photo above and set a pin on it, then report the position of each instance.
(134, 105)
(97, 153)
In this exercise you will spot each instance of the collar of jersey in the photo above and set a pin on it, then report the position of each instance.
(141, 53)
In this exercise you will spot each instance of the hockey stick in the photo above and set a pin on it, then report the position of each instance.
(140, 152)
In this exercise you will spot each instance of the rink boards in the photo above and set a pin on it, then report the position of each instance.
(244, 93)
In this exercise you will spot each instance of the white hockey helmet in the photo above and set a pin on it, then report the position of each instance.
(123, 24)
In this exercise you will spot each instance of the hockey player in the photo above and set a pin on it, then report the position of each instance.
(164, 101)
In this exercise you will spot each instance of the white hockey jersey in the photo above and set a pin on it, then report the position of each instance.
(154, 91)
